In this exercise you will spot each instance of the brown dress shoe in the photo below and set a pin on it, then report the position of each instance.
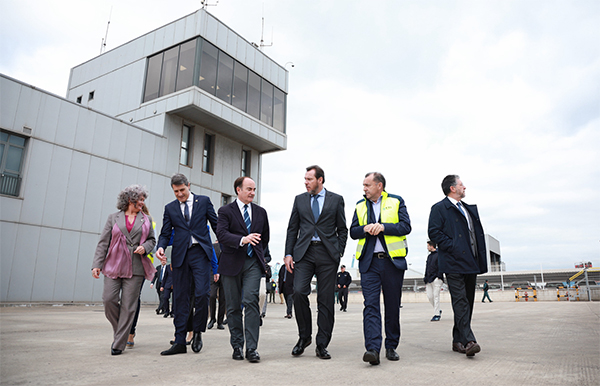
(458, 347)
(472, 348)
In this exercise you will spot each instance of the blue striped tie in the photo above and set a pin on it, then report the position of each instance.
(248, 224)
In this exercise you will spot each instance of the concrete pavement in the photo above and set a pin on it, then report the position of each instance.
(541, 343)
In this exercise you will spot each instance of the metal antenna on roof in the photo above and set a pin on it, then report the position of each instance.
(205, 4)
(103, 45)
(262, 41)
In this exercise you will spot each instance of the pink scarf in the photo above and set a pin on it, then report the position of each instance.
(118, 260)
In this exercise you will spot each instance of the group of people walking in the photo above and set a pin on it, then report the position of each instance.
(315, 242)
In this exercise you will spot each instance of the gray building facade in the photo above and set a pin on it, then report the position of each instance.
(192, 97)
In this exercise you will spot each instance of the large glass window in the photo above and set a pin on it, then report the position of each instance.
(208, 67)
(153, 77)
(240, 86)
(253, 95)
(185, 68)
(266, 103)
(246, 159)
(12, 152)
(169, 71)
(278, 109)
(225, 77)
(207, 157)
(186, 137)
(200, 63)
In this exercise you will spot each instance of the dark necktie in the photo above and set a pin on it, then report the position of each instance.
(186, 212)
(248, 224)
(315, 210)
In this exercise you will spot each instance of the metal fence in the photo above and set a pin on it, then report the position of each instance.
(9, 184)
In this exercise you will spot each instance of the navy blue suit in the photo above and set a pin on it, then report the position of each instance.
(167, 284)
(189, 262)
(381, 275)
(461, 256)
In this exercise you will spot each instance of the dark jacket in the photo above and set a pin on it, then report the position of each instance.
(344, 279)
(230, 230)
(431, 268)
(286, 287)
(168, 279)
(330, 226)
(448, 228)
(202, 212)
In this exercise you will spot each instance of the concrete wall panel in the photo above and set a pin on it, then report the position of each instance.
(23, 265)
(56, 189)
(45, 265)
(8, 230)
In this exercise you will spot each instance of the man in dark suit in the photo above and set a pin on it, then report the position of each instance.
(243, 233)
(217, 292)
(157, 280)
(286, 288)
(167, 289)
(456, 228)
(344, 279)
(315, 242)
(380, 224)
(188, 216)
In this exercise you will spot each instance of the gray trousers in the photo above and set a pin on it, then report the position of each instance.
(120, 297)
(243, 289)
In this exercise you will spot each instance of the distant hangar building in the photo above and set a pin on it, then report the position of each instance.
(192, 97)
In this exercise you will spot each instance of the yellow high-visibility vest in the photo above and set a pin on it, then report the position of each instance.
(396, 245)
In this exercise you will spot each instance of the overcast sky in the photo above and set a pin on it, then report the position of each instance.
(504, 93)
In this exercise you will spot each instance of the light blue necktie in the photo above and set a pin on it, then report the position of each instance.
(248, 224)
(461, 209)
(464, 214)
(315, 210)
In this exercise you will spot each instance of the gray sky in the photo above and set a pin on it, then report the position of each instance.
(504, 93)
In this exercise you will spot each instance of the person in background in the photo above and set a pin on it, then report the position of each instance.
(433, 281)
(343, 282)
(486, 287)
(286, 289)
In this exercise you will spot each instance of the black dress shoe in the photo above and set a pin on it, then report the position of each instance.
(391, 354)
(197, 342)
(220, 326)
(458, 347)
(115, 351)
(300, 346)
(176, 348)
(252, 356)
(322, 352)
(210, 324)
(237, 354)
(472, 348)
(372, 357)
(166, 315)
(225, 321)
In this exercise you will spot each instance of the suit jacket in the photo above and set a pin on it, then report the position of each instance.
(230, 230)
(168, 279)
(286, 287)
(132, 238)
(202, 211)
(448, 228)
(401, 228)
(157, 276)
(331, 226)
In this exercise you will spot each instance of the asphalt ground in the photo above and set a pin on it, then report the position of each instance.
(525, 343)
